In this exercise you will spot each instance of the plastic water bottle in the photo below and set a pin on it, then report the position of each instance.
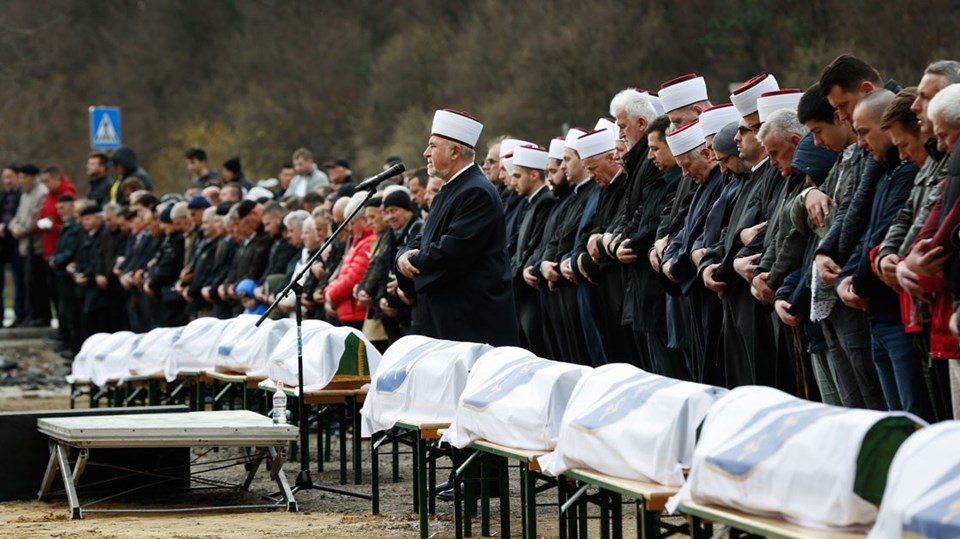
(279, 405)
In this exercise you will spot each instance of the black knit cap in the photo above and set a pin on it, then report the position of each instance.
(245, 207)
(91, 210)
(399, 199)
(224, 208)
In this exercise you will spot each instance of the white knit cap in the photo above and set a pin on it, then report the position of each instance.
(530, 156)
(355, 201)
(714, 118)
(746, 95)
(570, 141)
(685, 139)
(607, 123)
(780, 99)
(456, 126)
(596, 143)
(556, 148)
(257, 193)
(682, 91)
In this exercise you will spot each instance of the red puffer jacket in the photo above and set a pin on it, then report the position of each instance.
(354, 265)
(943, 345)
(49, 211)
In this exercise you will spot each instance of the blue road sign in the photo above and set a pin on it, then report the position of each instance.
(105, 128)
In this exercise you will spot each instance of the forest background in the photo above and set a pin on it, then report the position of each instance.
(361, 78)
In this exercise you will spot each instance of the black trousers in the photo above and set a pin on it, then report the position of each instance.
(572, 328)
(553, 324)
(38, 295)
(68, 313)
(530, 318)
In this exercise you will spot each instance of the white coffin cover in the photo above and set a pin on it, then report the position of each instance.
(765, 452)
(629, 423)
(112, 359)
(514, 398)
(246, 348)
(923, 487)
(153, 352)
(419, 379)
(195, 347)
(79, 369)
(324, 347)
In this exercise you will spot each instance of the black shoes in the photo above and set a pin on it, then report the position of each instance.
(445, 495)
(445, 490)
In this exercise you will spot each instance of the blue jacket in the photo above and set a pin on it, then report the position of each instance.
(887, 196)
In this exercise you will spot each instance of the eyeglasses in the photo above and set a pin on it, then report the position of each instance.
(723, 160)
(743, 129)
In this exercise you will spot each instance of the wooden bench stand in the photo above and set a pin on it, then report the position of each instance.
(650, 499)
(702, 519)
(423, 438)
(483, 452)
(336, 403)
(228, 390)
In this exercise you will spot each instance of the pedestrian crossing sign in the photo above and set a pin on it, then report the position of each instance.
(104, 128)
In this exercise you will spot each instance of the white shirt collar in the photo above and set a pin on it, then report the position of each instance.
(531, 197)
(459, 172)
(758, 165)
(576, 188)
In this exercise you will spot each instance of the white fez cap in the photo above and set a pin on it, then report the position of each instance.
(506, 163)
(746, 95)
(457, 126)
(682, 91)
(530, 156)
(780, 99)
(713, 119)
(685, 139)
(654, 101)
(508, 144)
(607, 123)
(556, 148)
(596, 143)
(570, 141)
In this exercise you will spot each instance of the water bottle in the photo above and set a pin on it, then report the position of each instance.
(279, 405)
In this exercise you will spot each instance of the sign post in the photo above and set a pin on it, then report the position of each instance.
(105, 128)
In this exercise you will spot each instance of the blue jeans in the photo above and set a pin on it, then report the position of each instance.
(898, 366)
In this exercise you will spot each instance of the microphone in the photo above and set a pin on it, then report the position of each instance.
(373, 181)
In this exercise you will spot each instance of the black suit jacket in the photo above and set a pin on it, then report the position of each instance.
(531, 229)
(464, 289)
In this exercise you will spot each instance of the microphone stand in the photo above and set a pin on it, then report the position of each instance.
(304, 481)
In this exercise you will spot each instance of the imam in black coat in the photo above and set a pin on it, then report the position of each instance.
(464, 289)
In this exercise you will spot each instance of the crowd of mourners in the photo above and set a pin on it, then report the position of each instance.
(123, 257)
(804, 239)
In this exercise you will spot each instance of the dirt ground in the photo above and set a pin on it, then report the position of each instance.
(321, 514)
